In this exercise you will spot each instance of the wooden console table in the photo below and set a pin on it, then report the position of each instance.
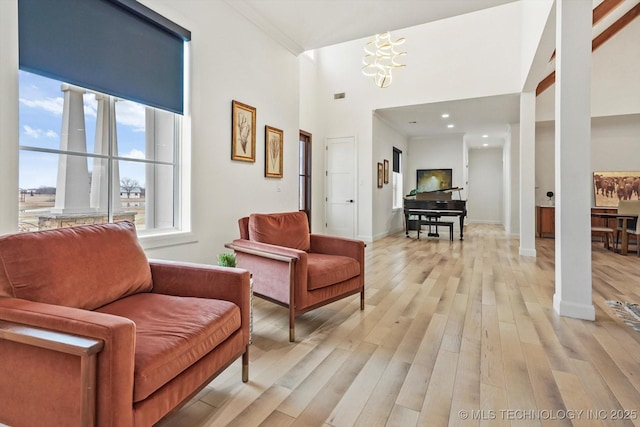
(546, 220)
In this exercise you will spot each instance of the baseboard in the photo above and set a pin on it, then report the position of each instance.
(570, 309)
(527, 252)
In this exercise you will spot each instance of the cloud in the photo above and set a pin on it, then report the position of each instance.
(90, 105)
(29, 131)
(131, 114)
(134, 154)
(52, 105)
(37, 133)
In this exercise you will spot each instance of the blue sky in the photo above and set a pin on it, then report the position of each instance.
(40, 110)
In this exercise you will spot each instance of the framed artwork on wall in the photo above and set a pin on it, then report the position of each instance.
(611, 187)
(243, 132)
(273, 151)
(386, 171)
(380, 174)
(433, 179)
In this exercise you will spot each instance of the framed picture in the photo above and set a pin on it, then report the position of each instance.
(273, 151)
(433, 179)
(243, 132)
(386, 171)
(611, 187)
(380, 174)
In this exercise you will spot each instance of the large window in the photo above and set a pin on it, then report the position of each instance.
(87, 157)
(396, 179)
(100, 110)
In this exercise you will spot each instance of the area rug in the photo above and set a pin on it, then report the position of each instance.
(629, 313)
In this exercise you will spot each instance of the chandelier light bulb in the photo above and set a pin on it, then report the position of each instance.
(381, 57)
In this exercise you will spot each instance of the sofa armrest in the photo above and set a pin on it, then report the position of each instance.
(204, 281)
(84, 348)
(331, 245)
(200, 280)
(23, 365)
(266, 250)
(280, 272)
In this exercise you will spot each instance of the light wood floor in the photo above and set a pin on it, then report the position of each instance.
(449, 328)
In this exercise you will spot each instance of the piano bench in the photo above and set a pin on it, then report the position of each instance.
(438, 224)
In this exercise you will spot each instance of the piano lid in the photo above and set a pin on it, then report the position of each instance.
(442, 194)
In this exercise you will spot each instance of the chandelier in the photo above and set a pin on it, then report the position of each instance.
(381, 58)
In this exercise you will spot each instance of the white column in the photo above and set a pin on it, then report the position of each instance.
(105, 129)
(527, 173)
(159, 180)
(149, 175)
(9, 117)
(573, 160)
(72, 189)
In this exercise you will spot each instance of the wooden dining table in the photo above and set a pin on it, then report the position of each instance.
(623, 221)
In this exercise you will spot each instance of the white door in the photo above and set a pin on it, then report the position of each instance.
(340, 202)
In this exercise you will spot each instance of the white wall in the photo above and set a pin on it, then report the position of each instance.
(615, 146)
(512, 175)
(443, 63)
(436, 153)
(615, 86)
(230, 59)
(386, 220)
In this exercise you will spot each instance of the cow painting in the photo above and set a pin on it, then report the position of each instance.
(611, 187)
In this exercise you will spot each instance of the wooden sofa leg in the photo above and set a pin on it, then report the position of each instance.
(245, 365)
(362, 300)
(292, 325)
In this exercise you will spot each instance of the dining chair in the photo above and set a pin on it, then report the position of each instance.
(629, 207)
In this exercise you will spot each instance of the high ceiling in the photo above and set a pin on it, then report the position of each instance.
(301, 25)
(310, 24)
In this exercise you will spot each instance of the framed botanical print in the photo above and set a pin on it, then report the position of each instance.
(273, 152)
(243, 133)
(386, 171)
(380, 175)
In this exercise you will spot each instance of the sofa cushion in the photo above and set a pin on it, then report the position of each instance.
(82, 267)
(326, 270)
(290, 229)
(172, 333)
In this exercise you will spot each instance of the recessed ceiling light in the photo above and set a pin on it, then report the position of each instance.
(445, 116)
(485, 145)
(450, 126)
(485, 136)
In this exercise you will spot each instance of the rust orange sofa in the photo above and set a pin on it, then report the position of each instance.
(92, 332)
(294, 268)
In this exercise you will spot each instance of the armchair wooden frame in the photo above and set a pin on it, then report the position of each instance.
(85, 348)
(291, 261)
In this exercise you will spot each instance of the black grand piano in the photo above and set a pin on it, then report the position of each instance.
(427, 209)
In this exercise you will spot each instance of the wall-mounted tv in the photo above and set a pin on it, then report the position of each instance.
(433, 179)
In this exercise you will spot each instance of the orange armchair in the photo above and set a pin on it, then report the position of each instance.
(93, 333)
(296, 269)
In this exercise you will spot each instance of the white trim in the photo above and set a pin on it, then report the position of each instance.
(570, 309)
(253, 16)
(161, 240)
(527, 252)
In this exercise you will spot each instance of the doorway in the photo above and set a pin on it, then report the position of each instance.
(486, 201)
